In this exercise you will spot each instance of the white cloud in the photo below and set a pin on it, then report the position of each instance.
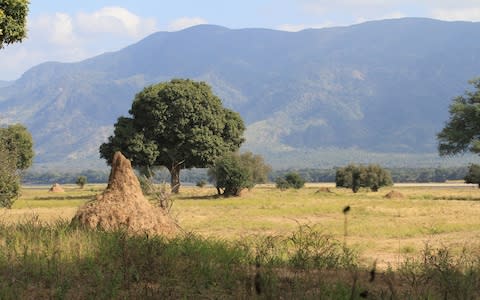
(465, 14)
(185, 22)
(115, 20)
(66, 38)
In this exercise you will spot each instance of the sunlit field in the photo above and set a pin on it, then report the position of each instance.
(379, 229)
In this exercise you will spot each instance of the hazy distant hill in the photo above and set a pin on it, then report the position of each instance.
(4, 83)
(380, 87)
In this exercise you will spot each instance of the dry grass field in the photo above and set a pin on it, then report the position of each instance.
(385, 230)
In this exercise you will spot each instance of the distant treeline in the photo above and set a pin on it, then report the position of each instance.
(196, 175)
(50, 177)
(398, 174)
(101, 176)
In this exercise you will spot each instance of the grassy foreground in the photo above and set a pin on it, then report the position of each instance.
(266, 244)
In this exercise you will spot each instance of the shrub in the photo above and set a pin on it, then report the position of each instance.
(356, 177)
(291, 180)
(201, 183)
(282, 183)
(473, 175)
(81, 181)
(234, 172)
(230, 176)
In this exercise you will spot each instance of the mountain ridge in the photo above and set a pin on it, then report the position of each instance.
(379, 86)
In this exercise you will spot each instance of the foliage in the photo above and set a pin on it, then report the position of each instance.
(398, 174)
(81, 181)
(50, 177)
(156, 192)
(177, 124)
(19, 142)
(201, 183)
(473, 175)
(462, 131)
(9, 179)
(234, 172)
(16, 153)
(230, 175)
(290, 180)
(356, 177)
(256, 165)
(13, 21)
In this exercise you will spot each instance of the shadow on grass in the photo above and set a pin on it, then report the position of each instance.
(82, 197)
(205, 197)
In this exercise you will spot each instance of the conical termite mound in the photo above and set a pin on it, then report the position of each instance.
(122, 206)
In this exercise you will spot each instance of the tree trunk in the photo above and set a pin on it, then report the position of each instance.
(175, 178)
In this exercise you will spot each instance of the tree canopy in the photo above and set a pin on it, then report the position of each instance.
(234, 172)
(290, 180)
(13, 20)
(18, 141)
(9, 178)
(355, 177)
(16, 153)
(462, 131)
(176, 124)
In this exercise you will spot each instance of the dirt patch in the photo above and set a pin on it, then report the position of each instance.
(123, 206)
(394, 195)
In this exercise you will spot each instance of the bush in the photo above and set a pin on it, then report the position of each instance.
(201, 183)
(230, 176)
(291, 180)
(356, 177)
(473, 174)
(81, 181)
(234, 172)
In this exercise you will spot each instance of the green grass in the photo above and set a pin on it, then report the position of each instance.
(376, 226)
(40, 261)
(45, 261)
(292, 240)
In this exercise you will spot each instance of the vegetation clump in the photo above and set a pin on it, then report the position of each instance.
(355, 177)
(9, 179)
(81, 181)
(16, 155)
(234, 172)
(201, 183)
(13, 21)
(290, 180)
(462, 131)
(473, 175)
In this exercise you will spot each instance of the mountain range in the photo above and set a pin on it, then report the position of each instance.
(376, 91)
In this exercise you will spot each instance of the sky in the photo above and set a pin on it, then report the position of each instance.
(68, 31)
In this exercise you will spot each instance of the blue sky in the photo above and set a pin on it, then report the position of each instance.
(67, 31)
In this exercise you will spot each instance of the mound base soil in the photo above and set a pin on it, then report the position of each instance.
(394, 195)
(122, 206)
(56, 188)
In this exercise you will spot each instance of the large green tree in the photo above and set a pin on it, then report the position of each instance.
(19, 143)
(462, 131)
(13, 20)
(176, 124)
(9, 178)
(16, 154)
